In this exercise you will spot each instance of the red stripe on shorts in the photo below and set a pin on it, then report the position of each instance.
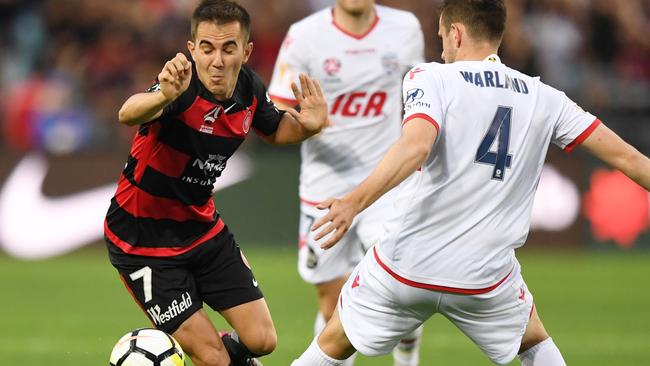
(428, 286)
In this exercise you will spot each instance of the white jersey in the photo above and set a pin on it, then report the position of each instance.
(459, 218)
(361, 79)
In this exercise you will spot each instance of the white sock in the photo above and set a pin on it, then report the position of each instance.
(544, 353)
(407, 351)
(319, 325)
(314, 356)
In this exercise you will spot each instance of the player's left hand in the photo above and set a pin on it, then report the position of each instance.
(340, 216)
(313, 106)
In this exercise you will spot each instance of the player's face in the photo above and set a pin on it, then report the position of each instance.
(449, 49)
(219, 51)
(355, 7)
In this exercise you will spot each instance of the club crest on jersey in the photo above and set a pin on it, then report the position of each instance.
(390, 62)
(246, 124)
(332, 66)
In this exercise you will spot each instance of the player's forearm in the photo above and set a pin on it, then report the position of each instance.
(610, 148)
(402, 159)
(290, 132)
(142, 107)
(636, 166)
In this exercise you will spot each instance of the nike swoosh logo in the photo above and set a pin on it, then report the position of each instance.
(255, 282)
(34, 226)
(229, 108)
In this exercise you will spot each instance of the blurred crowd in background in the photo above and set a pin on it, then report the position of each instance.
(66, 66)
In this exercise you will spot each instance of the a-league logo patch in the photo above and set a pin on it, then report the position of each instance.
(213, 115)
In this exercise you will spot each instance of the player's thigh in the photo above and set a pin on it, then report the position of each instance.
(535, 332)
(316, 265)
(163, 288)
(201, 341)
(226, 283)
(328, 295)
(494, 321)
(223, 275)
(377, 310)
(253, 324)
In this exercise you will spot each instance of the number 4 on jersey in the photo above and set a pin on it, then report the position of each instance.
(500, 159)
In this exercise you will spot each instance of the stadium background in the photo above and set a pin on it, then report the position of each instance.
(67, 65)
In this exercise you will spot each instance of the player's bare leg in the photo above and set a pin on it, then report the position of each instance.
(328, 294)
(331, 348)
(254, 327)
(200, 340)
(407, 351)
(537, 347)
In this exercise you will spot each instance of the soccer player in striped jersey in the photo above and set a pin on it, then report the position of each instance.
(164, 236)
(474, 140)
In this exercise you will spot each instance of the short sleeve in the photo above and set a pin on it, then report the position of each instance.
(267, 116)
(573, 124)
(422, 95)
(291, 62)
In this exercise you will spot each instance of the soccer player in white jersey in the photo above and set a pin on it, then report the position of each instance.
(473, 142)
(359, 51)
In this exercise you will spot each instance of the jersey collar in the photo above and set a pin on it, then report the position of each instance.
(353, 35)
(493, 58)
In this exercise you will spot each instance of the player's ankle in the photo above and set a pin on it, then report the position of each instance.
(239, 354)
(314, 356)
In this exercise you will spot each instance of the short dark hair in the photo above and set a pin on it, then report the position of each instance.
(484, 19)
(220, 12)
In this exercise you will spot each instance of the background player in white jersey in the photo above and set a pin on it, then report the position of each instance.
(474, 140)
(359, 51)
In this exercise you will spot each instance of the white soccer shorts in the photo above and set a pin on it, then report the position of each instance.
(316, 265)
(377, 310)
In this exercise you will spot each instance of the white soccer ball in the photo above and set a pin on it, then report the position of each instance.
(147, 347)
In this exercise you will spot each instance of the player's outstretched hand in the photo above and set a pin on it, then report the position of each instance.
(313, 106)
(338, 220)
(175, 76)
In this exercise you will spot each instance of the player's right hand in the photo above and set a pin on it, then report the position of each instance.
(175, 77)
(336, 222)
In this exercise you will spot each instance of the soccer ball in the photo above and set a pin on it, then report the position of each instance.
(147, 347)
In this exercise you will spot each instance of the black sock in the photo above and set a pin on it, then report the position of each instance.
(238, 352)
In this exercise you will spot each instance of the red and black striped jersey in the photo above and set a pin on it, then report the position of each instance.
(163, 205)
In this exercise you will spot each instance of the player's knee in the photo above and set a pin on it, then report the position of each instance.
(265, 343)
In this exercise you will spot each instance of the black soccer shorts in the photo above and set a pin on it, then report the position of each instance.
(171, 289)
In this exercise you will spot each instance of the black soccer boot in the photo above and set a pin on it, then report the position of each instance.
(239, 354)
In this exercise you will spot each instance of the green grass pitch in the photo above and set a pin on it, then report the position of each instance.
(70, 310)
